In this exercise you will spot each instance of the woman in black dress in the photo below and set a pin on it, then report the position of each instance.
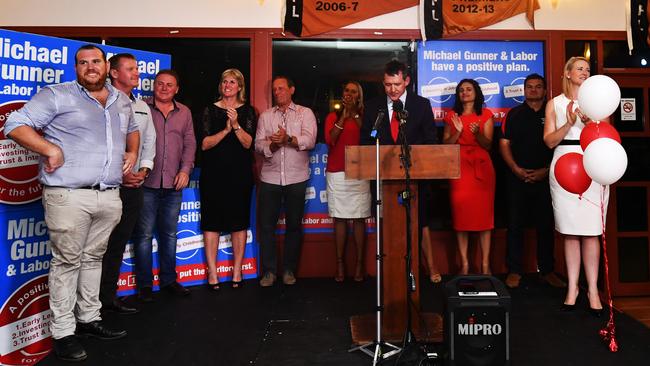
(226, 173)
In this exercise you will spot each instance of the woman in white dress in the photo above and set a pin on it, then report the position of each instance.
(578, 218)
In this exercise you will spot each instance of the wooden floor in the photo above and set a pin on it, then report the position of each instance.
(637, 307)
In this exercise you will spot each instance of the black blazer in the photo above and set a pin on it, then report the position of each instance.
(420, 127)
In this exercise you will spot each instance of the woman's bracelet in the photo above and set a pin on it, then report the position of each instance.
(337, 126)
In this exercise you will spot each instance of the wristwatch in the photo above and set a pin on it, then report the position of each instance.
(289, 141)
(235, 129)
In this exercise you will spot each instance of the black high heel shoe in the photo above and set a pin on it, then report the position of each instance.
(213, 286)
(237, 284)
(570, 307)
(567, 307)
(596, 313)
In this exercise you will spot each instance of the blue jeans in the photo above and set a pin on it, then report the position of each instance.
(160, 209)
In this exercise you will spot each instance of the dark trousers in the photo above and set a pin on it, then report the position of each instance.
(272, 198)
(131, 206)
(529, 201)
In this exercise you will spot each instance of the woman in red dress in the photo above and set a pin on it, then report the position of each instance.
(472, 195)
(348, 199)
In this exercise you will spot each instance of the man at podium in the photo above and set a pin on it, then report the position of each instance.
(419, 130)
(399, 233)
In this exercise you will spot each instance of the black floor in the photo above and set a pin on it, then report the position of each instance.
(308, 324)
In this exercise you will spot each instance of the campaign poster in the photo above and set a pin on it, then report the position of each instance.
(499, 67)
(28, 62)
(25, 313)
(316, 219)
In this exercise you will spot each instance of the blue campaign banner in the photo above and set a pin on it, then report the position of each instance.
(499, 67)
(190, 255)
(25, 261)
(316, 219)
(28, 62)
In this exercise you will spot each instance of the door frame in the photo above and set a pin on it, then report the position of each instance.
(619, 288)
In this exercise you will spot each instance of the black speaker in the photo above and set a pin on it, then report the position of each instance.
(476, 325)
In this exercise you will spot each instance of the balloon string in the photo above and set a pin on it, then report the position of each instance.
(580, 196)
(609, 332)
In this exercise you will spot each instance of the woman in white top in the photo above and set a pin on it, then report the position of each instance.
(578, 218)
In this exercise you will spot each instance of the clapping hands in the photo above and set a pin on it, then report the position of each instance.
(458, 124)
(573, 115)
(280, 137)
(474, 128)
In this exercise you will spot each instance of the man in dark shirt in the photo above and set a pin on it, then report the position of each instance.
(528, 158)
(163, 188)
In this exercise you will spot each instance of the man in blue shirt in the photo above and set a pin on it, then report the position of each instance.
(89, 140)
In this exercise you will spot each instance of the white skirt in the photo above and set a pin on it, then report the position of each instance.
(575, 215)
(347, 198)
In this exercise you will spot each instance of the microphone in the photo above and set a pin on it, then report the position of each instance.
(402, 114)
(375, 128)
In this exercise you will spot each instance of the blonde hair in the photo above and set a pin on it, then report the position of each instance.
(568, 66)
(360, 89)
(237, 75)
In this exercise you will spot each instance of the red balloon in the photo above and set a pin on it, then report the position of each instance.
(594, 131)
(571, 174)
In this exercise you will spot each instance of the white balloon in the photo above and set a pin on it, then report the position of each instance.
(605, 160)
(598, 97)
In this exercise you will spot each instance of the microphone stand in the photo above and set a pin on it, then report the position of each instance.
(378, 354)
(409, 343)
(405, 198)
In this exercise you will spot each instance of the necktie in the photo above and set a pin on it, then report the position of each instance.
(394, 126)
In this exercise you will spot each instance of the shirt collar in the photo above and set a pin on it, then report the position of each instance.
(153, 104)
(542, 108)
(291, 106)
(402, 98)
(112, 92)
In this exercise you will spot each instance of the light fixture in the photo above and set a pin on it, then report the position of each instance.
(587, 51)
(554, 3)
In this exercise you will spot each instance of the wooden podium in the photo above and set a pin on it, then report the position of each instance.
(427, 162)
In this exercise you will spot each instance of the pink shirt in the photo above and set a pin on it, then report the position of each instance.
(287, 165)
(175, 145)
